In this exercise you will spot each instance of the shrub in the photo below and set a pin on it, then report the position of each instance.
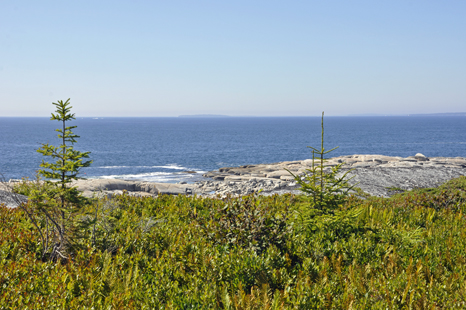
(247, 222)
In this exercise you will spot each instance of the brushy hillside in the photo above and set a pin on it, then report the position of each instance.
(406, 252)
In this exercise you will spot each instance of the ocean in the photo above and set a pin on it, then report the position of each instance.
(169, 149)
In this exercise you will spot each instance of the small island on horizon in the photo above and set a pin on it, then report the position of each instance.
(441, 114)
(418, 114)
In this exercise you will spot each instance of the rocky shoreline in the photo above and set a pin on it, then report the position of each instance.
(377, 175)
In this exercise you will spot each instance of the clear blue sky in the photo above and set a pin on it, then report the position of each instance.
(270, 58)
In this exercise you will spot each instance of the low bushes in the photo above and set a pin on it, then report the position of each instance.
(254, 252)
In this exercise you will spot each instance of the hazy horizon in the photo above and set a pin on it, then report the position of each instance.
(453, 114)
(242, 58)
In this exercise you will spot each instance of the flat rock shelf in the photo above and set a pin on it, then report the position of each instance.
(377, 175)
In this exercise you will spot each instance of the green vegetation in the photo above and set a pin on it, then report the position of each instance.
(408, 251)
(54, 206)
(328, 190)
(327, 249)
(395, 189)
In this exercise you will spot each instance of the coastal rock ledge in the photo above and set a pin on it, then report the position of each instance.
(376, 175)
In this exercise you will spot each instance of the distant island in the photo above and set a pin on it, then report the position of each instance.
(204, 115)
(374, 114)
(420, 114)
(441, 114)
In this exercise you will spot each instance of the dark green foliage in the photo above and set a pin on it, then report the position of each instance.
(53, 208)
(68, 160)
(247, 222)
(449, 196)
(322, 217)
(327, 189)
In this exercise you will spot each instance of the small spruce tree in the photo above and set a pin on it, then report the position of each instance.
(60, 202)
(327, 189)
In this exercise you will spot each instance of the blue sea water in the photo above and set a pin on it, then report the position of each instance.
(163, 149)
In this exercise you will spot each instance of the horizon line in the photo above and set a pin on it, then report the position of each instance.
(251, 116)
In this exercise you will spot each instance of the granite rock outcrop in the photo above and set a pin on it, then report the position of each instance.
(376, 175)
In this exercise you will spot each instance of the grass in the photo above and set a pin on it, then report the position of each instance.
(395, 189)
(254, 252)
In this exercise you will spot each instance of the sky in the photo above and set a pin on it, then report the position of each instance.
(238, 58)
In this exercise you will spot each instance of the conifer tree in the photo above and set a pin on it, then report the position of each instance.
(327, 189)
(60, 202)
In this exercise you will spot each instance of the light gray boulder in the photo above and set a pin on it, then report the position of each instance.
(11, 200)
(103, 185)
(287, 177)
(421, 157)
(278, 174)
(146, 187)
(174, 189)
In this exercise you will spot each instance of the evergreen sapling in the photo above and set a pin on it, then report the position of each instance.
(327, 189)
(59, 203)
